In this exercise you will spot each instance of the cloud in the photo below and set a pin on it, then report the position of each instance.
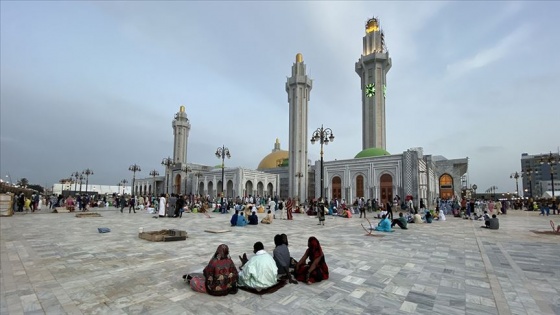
(507, 45)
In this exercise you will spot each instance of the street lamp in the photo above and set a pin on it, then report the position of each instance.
(167, 162)
(81, 178)
(76, 175)
(324, 136)
(529, 173)
(516, 176)
(87, 172)
(551, 160)
(154, 173)
(222, 153)
(197, 174)
(186, 169)
(123, 182)
(133, 168)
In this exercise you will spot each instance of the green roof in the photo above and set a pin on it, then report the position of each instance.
(371, 152)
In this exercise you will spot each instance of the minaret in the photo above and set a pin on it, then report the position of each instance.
(372, 69)
(181, 128)
(298, 87)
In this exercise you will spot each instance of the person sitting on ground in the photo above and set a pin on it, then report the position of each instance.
(268, 219)
(219, 276)
(384, 225)
(316, 270)
(381, 213)
(492, 224)
(281, 255)
(347, 213)
(241, 221)
(428, 217)
(417, 217)
(253, 218)
(400, 221)
(486, 217)
(441, 215)
(234, 218)
(259, 272)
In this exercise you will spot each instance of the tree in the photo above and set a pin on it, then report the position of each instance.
(23, 182)
(38, 188)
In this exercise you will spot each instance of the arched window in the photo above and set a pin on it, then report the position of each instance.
(359, 186)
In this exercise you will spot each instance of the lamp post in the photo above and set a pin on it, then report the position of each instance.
(133, 168)
(222, 153)
(81, 178)
(186, 169)
(123, 182)
(529, 173)
(87, 172)
(167, 162)
(197, 174)
(516, 176)
(324, 136)
(154, 173)
(75, 175)
(551, 160)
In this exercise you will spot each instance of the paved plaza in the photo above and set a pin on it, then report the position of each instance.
(59, 264)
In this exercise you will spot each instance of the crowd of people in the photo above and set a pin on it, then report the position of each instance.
(261, 271)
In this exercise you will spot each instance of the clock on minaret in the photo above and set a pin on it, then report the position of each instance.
(370, 90)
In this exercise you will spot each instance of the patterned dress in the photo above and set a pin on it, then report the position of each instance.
(219, 277)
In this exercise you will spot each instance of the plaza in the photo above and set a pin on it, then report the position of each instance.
(59, 264)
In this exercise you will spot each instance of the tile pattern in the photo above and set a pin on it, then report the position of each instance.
(60, 264)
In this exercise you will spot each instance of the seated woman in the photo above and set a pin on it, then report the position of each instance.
(241, 221)
(234, 218)
(428, 217)
(268, 219)
(441, 215)
(253, 218)
(316, 270)
(384, 225)
(347, 213)
(219, 277)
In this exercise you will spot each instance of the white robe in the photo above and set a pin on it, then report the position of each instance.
(441, 215)
(162, 203)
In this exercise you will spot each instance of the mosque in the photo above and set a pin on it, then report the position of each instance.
(373, 173)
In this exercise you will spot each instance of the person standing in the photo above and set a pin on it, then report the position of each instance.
(132, 204)
(162, 206)
(289, 206)
(362, 207)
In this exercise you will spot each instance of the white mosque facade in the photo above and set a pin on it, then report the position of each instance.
(372, 174)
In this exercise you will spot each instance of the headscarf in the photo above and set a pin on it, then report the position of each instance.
(222, 252)
(315, 250)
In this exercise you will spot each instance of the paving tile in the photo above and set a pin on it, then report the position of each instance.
(467, 271)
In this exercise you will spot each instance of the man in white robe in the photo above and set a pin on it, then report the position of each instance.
(162, 205)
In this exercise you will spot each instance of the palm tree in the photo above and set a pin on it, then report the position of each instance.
(23, 182)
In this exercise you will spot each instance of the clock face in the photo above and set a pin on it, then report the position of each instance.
(370, 90)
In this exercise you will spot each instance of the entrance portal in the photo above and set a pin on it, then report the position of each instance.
(445, 186)
(336, 188)
(386, 189)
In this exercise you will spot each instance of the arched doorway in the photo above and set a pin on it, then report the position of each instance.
(260, 188)
(386, 188)
(211, 189)
(219, 187)
(177, 184)
(150, 189)
(229, 189)
(249, 188)
(336, 188)
(270, 190)
(446, 186)
(360, 186)
(200, 188)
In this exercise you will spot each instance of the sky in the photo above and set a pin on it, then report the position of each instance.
(96, 84)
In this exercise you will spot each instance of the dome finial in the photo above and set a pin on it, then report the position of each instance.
(299, 57)
(182, 108)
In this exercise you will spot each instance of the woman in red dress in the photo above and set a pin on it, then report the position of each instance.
(316, 269)
(219, 277)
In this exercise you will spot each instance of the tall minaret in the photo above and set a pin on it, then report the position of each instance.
(298, 87)
(181, 128)
(372, 69)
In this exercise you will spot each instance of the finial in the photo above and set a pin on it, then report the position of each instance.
(277, 141)
(299, 57)
(182, 108)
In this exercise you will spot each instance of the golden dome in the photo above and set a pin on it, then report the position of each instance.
(182, 108)
(299, 57)
(271, 160)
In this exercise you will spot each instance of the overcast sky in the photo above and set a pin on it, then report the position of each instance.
(96, 84)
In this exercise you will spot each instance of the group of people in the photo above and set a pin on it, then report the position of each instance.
(239, 218)
(262, 271)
